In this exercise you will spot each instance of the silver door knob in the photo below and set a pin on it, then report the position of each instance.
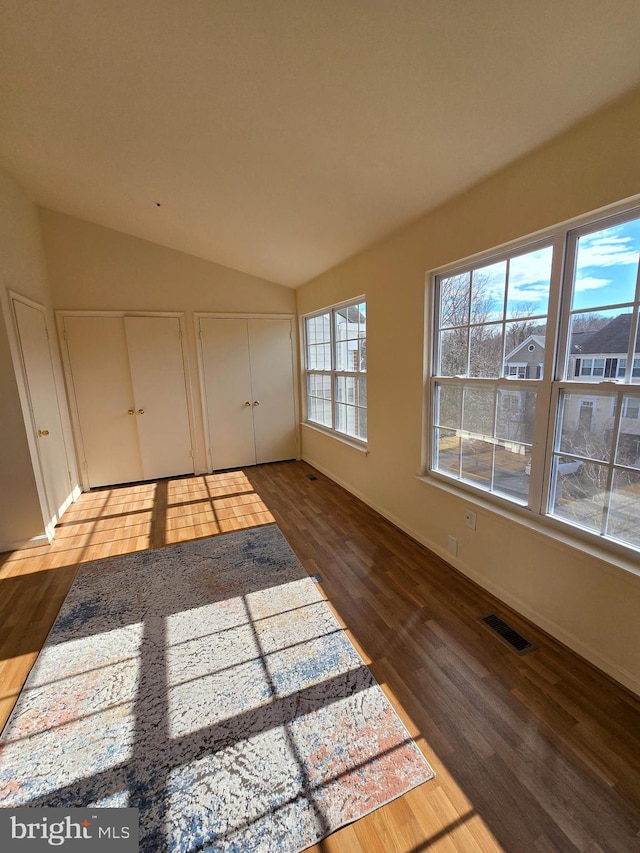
(256, 402)
(42, 433)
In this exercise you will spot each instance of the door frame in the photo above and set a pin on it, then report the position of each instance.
(245, 315)
(68, 376)
(15, 346)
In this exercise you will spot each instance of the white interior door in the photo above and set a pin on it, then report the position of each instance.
(43, 398)
(159, 395)
(273, 389)
(101, 379)
(228, 396)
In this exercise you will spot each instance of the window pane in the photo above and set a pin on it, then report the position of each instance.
(350, 412)
(319, 411)
(319, 385)
(598, 342)
(362, 351)
(628, 450)
(362, 423)
(319, 357)
(348, 419)
(453, 352)
(477, 462)
(342, 356)
(447, 452)
(579, 495)
(515, 416)
(348, 354)
(362, 320)
(623, 510)
(477, 411)
(525, 345)
(347, 322)
(529, 283)
(318, 329)
(487, 292)
(319, 399)
(485, 351)
(344, 389)
(454, 300)
(327, 417)
(586, 425)
(509, 475)
(635, 372)
(361, 391)
(607, 266)
(449, 406)
(350, 332)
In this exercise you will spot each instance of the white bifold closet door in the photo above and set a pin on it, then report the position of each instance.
(129, 384)
(248, 384)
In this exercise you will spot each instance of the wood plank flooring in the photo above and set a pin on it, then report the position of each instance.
(536, 753)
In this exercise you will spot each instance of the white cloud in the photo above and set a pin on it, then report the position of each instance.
(591, 283)
(532, 268)
(528, 293)
(608, 248)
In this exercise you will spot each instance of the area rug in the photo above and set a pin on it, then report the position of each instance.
(209, 685)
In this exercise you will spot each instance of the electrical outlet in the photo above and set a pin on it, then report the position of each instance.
(470, 519)
(452, 545)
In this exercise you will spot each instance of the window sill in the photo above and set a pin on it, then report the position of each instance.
(612, 559)
(360, 446)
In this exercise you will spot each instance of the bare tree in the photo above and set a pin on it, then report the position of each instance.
(461, 307)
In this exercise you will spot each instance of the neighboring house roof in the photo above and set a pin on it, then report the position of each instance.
(612, 338)
(537, 339)
(578, 341)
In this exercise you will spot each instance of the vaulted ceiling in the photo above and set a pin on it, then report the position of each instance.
(280, 136)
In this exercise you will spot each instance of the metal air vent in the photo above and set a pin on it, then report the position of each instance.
(510, 636)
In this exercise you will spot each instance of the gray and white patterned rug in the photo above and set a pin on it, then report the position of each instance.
(208, 685)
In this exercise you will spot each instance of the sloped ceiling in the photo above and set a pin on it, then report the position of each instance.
(281, 136)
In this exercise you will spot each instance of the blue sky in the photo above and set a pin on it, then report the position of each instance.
(606, 270)
(607, 266)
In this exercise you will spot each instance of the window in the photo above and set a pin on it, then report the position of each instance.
(631, 408)
(336, 368)
(622, 366)
(544, 435)
(517, 371)
(592, 367)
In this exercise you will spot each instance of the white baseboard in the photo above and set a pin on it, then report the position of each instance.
(19, 544)
(609, 667)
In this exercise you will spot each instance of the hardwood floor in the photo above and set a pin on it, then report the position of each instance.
(538, 753)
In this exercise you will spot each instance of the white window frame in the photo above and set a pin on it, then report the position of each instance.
(555, 380)
(334, 372)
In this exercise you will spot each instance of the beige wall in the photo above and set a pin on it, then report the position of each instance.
(22, 269)
(584, 601)
(91, 267)
(95, 268)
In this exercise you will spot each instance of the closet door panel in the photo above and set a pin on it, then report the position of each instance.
(159, 395)
(102, 385)
(227, 385)
(272, 384)
(52, 451)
